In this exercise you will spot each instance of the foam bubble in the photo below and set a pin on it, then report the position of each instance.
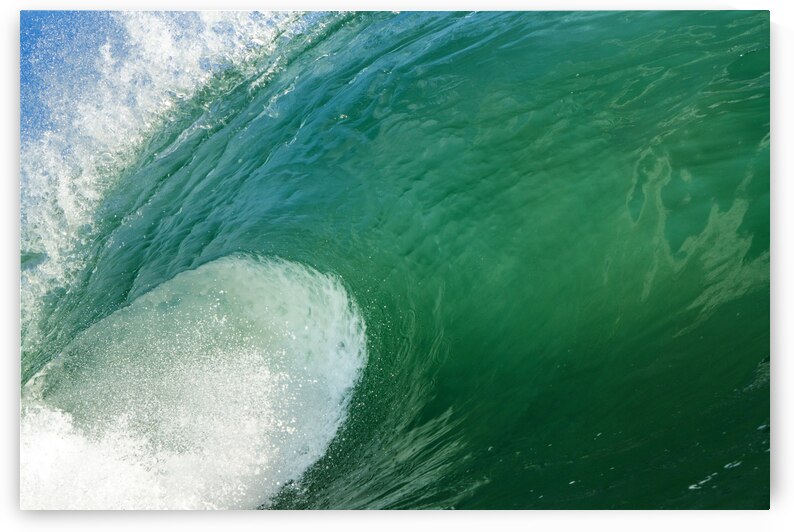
(211, 391)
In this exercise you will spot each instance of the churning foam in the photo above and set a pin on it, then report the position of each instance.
(211, 391)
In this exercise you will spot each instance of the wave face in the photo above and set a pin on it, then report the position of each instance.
(395, 260)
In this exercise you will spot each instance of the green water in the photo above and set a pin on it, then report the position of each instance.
(555, 227)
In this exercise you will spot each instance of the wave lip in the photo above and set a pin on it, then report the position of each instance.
(209, 392)
(105, 94)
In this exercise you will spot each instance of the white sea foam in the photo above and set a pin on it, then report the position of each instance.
(211, 391)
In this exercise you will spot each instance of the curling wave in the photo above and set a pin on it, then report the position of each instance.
(395, 260)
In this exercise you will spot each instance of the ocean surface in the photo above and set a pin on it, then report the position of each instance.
(395, 260)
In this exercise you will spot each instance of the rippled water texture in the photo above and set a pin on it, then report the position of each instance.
(382, 260)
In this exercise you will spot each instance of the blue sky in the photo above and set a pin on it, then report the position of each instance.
(50, 43)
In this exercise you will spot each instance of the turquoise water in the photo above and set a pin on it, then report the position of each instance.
(396, 260)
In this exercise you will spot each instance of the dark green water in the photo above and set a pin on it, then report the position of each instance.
(554, 226)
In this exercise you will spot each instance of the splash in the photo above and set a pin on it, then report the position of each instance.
(104, 95)
(210, 392)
